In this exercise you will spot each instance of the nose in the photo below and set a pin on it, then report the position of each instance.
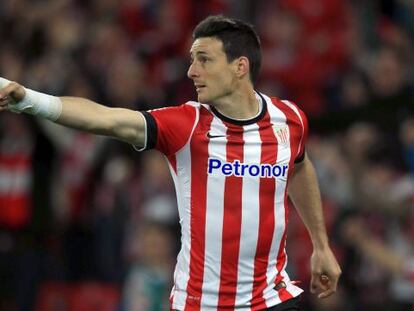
(192, 71)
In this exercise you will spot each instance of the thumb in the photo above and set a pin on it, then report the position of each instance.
(315, 283)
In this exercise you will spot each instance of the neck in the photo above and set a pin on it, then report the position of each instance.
(241, 104)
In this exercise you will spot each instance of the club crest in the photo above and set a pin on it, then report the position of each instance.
(282, 134)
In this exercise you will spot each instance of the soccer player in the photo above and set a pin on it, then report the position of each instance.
(235, 156)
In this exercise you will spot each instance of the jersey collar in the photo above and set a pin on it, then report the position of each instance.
(253, 120)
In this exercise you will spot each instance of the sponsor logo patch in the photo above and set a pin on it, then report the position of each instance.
(238, 168)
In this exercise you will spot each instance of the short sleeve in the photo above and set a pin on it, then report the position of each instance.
(304, 138)
(169, 129)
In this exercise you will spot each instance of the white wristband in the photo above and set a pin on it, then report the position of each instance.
(38, 104)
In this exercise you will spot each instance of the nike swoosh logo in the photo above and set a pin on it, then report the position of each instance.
(214, 136)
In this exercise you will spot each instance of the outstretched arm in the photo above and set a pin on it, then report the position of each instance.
(75, 112)
(304, 193)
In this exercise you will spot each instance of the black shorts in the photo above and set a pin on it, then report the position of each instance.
(293, 304)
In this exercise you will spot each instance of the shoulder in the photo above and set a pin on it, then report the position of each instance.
(285, 104)
(190, 105)
(289, 108)
(187, 110)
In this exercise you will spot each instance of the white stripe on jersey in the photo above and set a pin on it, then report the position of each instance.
(276, 117)
(182, 182)
(214, 220)
(250, 218)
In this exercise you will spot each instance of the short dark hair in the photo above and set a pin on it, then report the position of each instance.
(239, 39)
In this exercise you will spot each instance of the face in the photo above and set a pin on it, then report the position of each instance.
(213, 76)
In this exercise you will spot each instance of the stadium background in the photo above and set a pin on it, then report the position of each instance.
(87, 223)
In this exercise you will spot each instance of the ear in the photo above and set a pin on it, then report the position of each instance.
(242, 66)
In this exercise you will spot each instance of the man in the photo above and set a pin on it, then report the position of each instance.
(234, 155)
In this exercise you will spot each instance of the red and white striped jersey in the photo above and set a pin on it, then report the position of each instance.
(231, 182)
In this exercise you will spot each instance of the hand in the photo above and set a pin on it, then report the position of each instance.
(325, 273)
(10, 94)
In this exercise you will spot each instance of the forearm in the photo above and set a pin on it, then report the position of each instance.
(86, 115)
(304, 192)
(305, 195)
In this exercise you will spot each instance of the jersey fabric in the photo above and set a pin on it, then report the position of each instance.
(231, 181)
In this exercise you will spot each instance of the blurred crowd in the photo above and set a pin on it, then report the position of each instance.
(87, 222)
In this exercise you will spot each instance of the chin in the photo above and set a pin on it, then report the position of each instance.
(202, 99)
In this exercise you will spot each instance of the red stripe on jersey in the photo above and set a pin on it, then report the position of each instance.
(171, 298)
(173, 162)
(231, 221)
(281, 256)
(199, 160)
(267, 190)
(284, 294)
(305, 131)
(296, 136)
